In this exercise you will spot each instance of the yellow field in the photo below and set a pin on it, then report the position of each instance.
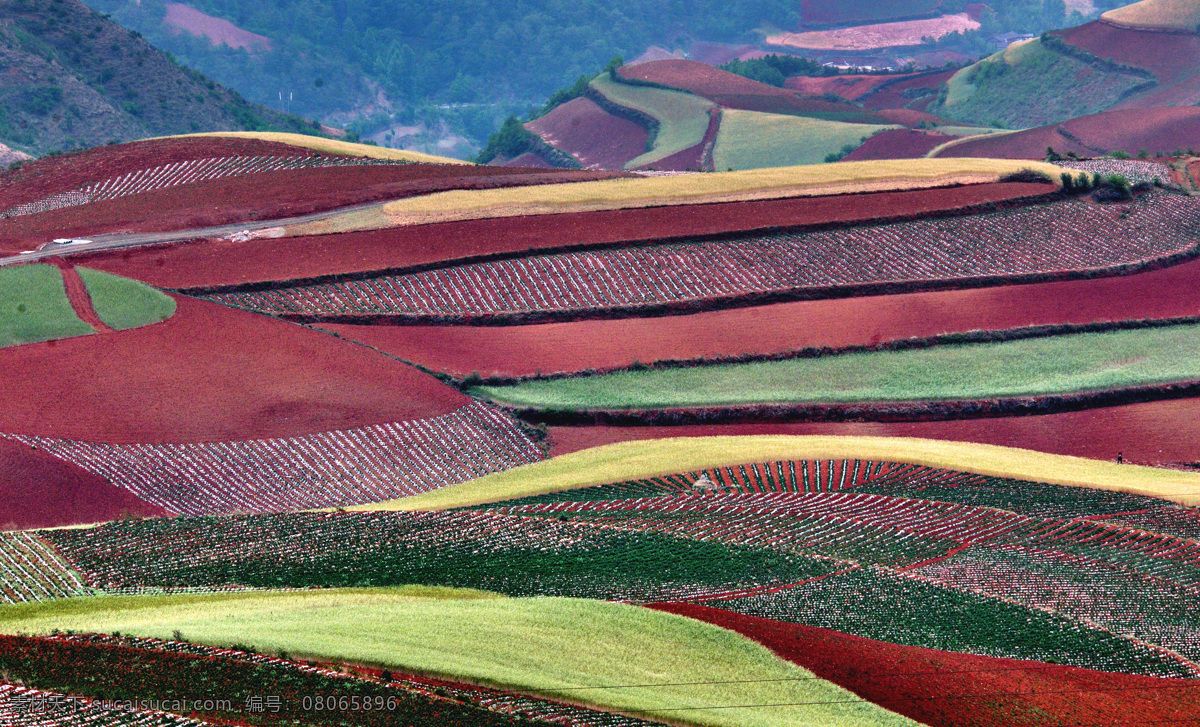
(610, 194)
(1171, 14)
(333, 146)
(637, 460)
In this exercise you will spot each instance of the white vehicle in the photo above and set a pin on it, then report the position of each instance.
(62, 242)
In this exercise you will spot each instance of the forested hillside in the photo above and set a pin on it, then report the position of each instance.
(70, 77)
(335, 55)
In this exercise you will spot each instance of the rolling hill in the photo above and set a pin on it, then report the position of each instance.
(73, 78)
(1140, 56)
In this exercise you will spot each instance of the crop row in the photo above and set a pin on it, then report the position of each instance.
(795, 476)
(346, 467)
(188, 172)
(31, 570)
(24, 707)
(1066, 235)
(1136, 172)
(838, 525)
(513, 555)
(887, 605)
(1084, 589)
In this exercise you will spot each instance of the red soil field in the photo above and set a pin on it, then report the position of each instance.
(78, 295)
(221, 32)
(209, 373)
(850, 12)
(41, 491)
(45, 177)
(694, 158)
(897, 144)
(266, 195)
(909, 679)
(732, 91)
(1155, 433)
(891, 95)
(212, 263)
(1171, 57)
(764, 330)
(849, 87)
(528, 160)
(1128, 130)
(587, 132)
(909, 117)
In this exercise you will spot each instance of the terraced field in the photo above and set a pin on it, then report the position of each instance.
(1069, 364)
(683, 118)
(863, 546)
(1045, 240)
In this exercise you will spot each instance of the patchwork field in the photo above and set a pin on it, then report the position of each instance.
(357, 459)
(731, 91)
(1056, 366)
(204, 264)
(683, 118)
(579, 642)
(988, 248)
(839, 12)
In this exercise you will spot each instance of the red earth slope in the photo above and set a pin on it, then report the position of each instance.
(762, 330)
(735, 92)
(265, 196)
(209, 373)
(41, 491)
(212, 263)
(1128, 130)
(1158, 433)
(945, 689)
(587, 132)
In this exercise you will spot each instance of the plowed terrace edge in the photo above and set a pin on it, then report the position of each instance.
(212, 263)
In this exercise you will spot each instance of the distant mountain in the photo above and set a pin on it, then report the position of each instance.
(70, 77)
(1144, 55)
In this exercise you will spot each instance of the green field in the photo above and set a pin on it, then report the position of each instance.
(123, 303)
(755, 140)
(34, 306)
(1030, 85)
(550, 645)
(1032, 367)
(682, 117)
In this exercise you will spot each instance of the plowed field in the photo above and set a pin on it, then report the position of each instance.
(1129, 130)
(1162, 432)
(266, 195)
(590, 134)
(929, 685)
(40, 491)
(898, 144)
(603, 344)
(209, 373)
(212, 263)
(735, 92)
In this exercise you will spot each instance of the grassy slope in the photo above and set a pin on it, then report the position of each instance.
(683, 117)
(123, 303)
(1032, 367)
(1038, 87)
(640, 459)
(610, 194)
(1171, 14)
(334, 146)
(542, 643)
(34, 306)
(754, 140)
